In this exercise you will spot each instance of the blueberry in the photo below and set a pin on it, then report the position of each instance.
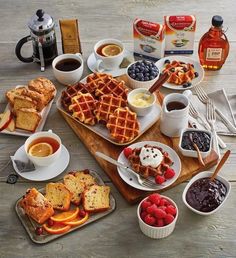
(196, 74)
(152, 77)
(192, 65)
(167, 61)
(137, 70)
(141, 69)
(189, 84)
(146, 78)
(185, 69)
(132, 75)
(172, 70)
(185, 85)
(147, 74)
(142, 79)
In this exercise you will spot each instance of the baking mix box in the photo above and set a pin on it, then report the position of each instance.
(149, 39)
(180, 31)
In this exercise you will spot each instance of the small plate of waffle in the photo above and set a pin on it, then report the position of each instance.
(99, 102)
(29, 106)
(170, 160)
(185, 72)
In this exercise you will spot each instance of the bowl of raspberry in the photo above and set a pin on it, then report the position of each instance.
(157, 215)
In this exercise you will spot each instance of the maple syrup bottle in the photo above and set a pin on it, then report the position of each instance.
(213, 46)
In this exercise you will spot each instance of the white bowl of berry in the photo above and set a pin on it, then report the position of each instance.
(157, 215)
(142, 74)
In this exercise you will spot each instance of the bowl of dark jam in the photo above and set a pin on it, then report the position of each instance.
(204, 196)
(202, 138)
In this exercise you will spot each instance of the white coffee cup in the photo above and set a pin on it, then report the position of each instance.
(43, 161)
(174, 121)
(68, 77)
(108, 62)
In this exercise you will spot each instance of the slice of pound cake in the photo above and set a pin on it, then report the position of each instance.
(96, 198)
(58, 195)
(76, 182)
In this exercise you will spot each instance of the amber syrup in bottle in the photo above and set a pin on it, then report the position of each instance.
(213, 46)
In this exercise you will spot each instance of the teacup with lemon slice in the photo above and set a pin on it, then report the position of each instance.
(109, 54)
(43, 148)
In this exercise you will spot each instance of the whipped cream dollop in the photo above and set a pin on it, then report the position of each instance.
(150, 157)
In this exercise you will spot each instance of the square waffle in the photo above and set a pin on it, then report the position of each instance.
(83, 105)
(123, 125)
(70, 92)
(146, 171)
(180, 72)
(95, 78)
(114, 87)
(106, 106)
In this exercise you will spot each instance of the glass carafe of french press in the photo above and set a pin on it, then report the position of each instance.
(43, 37)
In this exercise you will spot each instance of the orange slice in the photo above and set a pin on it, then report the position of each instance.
(41, 149)
(111, 50)
(57, 228)
(65, 216)
(77, 221)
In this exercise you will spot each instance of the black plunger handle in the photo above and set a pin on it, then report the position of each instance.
(19, 45)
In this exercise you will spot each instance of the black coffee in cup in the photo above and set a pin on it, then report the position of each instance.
(68, 65)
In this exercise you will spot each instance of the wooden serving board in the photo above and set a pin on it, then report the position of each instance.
(93, 142)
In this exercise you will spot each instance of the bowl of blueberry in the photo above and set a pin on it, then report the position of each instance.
(202, 138)
(142, 74)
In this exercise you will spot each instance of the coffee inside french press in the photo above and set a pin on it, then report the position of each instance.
(43, 37)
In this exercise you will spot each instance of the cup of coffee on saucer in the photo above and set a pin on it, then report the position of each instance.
(43, 148)
(109, 54)
(68, 68)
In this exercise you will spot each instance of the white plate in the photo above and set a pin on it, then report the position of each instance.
(131, 179)
(44, 113)
(198, 68)
(145, 122)
(91, 62)
(43, 173)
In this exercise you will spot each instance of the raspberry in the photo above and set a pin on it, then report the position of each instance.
(159, 213)
(162, 208)
(127, 152)
(160, 223)
(145, 204)
(160, 180)
(154, 198)
(82, 213)
(151, 209)
(150, 220)
(143, 215)
(169, 173)
(50, 222)
(164, 202)
(169, 218)
(171, 210)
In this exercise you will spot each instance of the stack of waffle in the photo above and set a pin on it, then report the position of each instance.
(28, 101)
(102, 99)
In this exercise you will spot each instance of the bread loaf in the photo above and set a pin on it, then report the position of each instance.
(36, 206)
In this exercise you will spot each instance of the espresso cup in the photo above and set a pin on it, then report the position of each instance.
(67, 76)
(47, 160)
(175, 113)
(108, 62)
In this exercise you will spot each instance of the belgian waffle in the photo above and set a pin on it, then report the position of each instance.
(70, 92)
(83, 105)
(146, 171)
(123, 125)
(107, 105)
(180, 72)
(94, 79)
(114, 87)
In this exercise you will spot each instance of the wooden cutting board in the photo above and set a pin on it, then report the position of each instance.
(93, 142)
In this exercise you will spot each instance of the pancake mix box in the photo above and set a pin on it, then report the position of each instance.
(180, 31)
(149, 39)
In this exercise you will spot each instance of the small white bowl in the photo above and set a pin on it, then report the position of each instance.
(140, 84)
(202, 175)
(157, 232)
(193, 153)
(140, 111)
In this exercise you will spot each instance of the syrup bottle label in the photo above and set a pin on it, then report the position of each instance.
(214, 54)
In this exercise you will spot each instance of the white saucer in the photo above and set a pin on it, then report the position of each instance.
(91, 62)
(43, 173)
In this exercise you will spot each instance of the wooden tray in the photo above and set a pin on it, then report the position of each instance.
(93, 142)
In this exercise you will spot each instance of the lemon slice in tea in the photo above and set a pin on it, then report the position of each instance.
(111, 50)
(41, 149)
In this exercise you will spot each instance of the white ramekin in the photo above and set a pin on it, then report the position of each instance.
(157, 232)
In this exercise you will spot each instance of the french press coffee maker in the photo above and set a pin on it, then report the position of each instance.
(43, 37)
